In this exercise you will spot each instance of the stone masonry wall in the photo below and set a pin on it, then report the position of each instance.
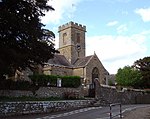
(15, 93)
(104, 94)
(19, 108)
(61, 71)
(95, 62)
(68, 40)
(43, 92)
(125, 96)
(57, 92)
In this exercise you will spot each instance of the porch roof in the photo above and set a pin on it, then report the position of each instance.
(82, 62)
(59, 60)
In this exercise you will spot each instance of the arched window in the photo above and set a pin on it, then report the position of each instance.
(95, 73)
(64, 38)
(78, 37)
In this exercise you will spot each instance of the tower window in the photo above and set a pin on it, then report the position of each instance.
(78, 37)
(64, 38)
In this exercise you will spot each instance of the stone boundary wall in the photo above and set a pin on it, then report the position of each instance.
(109, 94)
(15, 93)
(43, 92)
(20, 108)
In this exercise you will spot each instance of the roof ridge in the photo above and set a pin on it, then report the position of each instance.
(91, 56)
(83, 59)
(59, 60)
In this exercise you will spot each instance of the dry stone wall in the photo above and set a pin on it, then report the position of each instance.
(20, 108)
(109, 95)
(15, 93)
(57, 92)
(104, 94)
(43, 92)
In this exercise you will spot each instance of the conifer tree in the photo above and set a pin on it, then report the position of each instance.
(23, 39)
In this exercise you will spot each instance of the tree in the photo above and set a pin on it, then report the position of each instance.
(143, 65)
(23, 39)
(128, 76)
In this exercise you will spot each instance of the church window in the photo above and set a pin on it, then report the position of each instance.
(78, 37)
(64, 38)
(95, 74)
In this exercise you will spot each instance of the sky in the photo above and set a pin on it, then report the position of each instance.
(118, 31)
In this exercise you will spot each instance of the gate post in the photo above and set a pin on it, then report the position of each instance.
(120, 111)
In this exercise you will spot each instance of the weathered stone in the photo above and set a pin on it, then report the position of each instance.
(110, 94)
(19, 108)
(43, 92)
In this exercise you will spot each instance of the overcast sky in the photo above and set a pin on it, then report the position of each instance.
(117, 30)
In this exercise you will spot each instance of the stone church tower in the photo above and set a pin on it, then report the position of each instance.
(72, 61)
(72, 41)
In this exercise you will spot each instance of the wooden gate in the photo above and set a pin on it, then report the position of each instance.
(92, 86)
(92, 90)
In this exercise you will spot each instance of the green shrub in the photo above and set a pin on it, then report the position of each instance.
(110, 83)
(15, 85)
(71, 81)
(40, 81)
(129, 76)
(44, 80)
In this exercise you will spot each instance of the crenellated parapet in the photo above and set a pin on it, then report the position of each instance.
(72, 25)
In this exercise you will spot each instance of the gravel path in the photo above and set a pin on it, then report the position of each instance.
(139, 113)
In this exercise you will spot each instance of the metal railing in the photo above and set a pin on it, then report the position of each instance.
(118, 114)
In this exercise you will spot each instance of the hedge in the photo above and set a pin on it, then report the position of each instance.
(40, 81)
(14, 85)
(51, 80)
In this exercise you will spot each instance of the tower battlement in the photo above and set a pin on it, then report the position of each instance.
(72, 25)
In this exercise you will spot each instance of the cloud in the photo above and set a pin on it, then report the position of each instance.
(112, 23)
(146, 32)
(117, 51)
(122, 28)
(144, 13)
(63, 8)
(57, 42)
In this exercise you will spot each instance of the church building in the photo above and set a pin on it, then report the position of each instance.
(72, 60)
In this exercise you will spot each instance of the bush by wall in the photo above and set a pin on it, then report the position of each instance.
(71, 81)
(40, 81)
(44, 80)
(51, 80)
(14, 85)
